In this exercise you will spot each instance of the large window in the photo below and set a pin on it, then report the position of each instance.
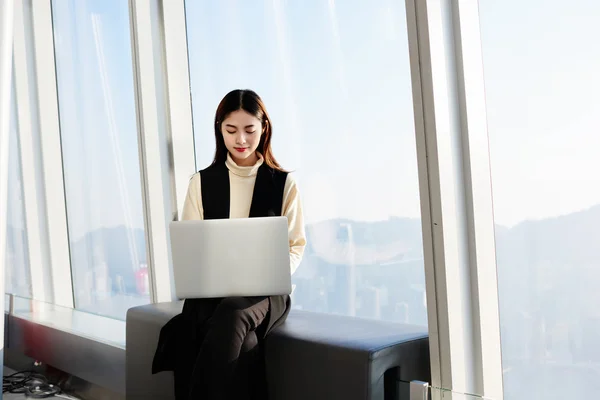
(542, 63)
(100, 152)
(335, 78)
(18, 278)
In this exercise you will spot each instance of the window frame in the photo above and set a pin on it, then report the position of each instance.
(166, 146)
(6, 71)
(458, 220)
(452, 156)
(41, 153)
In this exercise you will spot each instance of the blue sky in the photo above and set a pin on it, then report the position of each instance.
(95, 87)
(542, 81)
(336, 82)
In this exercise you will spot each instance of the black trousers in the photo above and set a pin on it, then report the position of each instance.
(227, 361)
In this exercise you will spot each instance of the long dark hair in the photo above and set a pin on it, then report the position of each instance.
(250, 102)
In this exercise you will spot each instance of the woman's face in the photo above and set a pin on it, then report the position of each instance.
(241, 133)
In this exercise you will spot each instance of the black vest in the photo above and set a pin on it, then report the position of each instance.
(267, 198)
(267, 201)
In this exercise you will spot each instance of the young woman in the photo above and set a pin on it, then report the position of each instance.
(214, 345)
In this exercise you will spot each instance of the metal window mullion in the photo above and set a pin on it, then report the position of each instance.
(456, 195)
(154, 151)
(432, 115)
(27, 115)
(6, 45)
(52, 161)
(479, 195)
(424, 190)
(179, 98)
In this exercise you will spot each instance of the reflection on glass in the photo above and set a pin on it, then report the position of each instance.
(423, 391)
(18, 278)
(434, 393)
(542, 83)
(338, 91)
(100, 153)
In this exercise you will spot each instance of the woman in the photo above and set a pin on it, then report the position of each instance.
(214, 345)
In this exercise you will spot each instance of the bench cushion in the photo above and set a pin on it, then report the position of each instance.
(311, 355)
(143, 328)
(321, 356)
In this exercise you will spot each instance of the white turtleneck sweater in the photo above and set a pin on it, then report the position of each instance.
(241, 182)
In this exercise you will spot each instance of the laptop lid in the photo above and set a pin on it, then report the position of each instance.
(231, 257)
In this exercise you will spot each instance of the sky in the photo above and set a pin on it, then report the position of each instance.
(335, 78)
(97, 115)
(542, 82)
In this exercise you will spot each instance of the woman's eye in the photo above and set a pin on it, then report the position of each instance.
(250, 132)
(231, 132)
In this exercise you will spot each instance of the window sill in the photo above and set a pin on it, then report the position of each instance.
(89, 346)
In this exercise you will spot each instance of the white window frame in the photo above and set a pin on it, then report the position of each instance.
(41, 156)
(456, 196)
(164, 116)
(179, 97)
(6, 44)
(30, 171)
(52, 160)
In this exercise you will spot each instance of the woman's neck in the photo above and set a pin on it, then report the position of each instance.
(249, 168)
(246, 162)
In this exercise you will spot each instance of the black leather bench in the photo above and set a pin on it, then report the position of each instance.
(312, 356)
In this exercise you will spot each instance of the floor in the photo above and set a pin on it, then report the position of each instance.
(9, 396)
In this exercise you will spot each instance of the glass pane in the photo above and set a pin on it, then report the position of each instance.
(443, 394)
(335, 78)
(542, 84)
(423, 391)
(100, 154)
(18, 278)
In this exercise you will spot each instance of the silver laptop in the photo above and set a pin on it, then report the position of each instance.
(231, 257)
